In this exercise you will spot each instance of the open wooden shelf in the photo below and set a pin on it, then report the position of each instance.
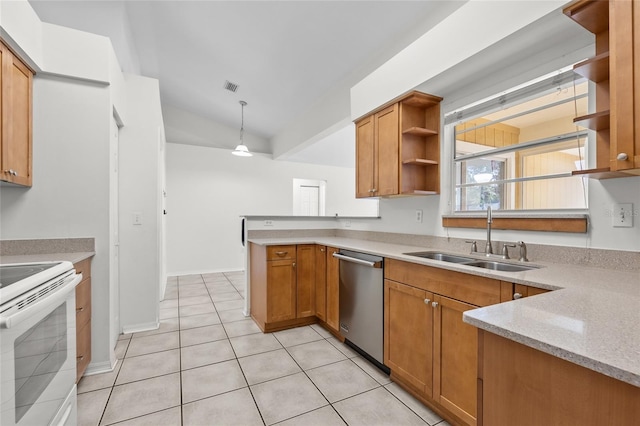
(422, 100)
(596, 121)
(420, 162)
(595, 69)
(419, 131)
(601, 173)
(592, 15)
(420, 192)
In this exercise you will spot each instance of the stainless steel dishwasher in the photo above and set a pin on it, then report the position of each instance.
(362, 304)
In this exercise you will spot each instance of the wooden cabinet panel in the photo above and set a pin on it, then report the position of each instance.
(408, 343)
(333, 290)
(386, 140)
(83, 302)
(16, 117)
(83, 349)
(526, 387)
(321, 282)
(281, 290)
(365, 158)
(306, 285)
(455, 363)
(281, 252)
(83, 317)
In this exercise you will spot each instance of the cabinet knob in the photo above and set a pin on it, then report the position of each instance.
(374, 190)
(517, 296)
(427, 301)
(434, 304)
(622, 156)
(11, 172)
(293, 265)
(80, 309)
(281, 253)
(80, 358)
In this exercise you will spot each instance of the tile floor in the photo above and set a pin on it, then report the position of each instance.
(208, 364)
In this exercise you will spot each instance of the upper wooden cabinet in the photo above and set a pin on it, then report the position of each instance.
(615, 70)
(398, 148)
(16, 81)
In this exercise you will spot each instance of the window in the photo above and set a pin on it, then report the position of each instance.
(517, 151)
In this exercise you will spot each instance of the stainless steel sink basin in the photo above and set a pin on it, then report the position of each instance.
(500, 266)
(441, 256)
(470, 261)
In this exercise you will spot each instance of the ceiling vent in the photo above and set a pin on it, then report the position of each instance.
(232, 87)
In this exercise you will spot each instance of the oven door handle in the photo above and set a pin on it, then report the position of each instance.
(56, 298)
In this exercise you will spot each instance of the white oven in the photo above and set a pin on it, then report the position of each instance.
(38, 343)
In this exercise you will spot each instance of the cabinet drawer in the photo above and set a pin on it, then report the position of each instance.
(83, 349)
(479, 291)
(83, 303)
(83, 267)
(281, 252)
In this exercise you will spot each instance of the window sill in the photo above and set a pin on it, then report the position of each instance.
(575, 223)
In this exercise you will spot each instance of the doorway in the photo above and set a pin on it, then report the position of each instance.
(309, 197)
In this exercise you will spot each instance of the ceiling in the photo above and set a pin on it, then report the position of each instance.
(284, 55)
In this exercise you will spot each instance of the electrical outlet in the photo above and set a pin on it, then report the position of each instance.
(347, 224)
(268, 223)
(419, 216)
(137, 218)
(622, 215)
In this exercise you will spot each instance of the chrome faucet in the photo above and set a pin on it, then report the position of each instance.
(488, 249)
(523, 251)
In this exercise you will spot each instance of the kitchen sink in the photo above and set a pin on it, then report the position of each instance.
(441, 256)
(501, 266)
(469, 261)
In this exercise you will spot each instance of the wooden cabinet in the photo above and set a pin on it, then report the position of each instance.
(398, 148)
(282, 285)
(615, 70)
(321, 282)
(430, 350)
(16, 82)
(522, 386)
(511, 291)
(83, 318)
(333, 290)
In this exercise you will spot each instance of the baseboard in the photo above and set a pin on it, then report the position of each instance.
(99, 368)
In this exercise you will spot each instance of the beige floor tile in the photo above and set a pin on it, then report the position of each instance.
(170, 417)
(190, 279)
(194, 300)
(297, 336)
(346, 350)
(156, 343)
(125, 336)
(287, 397)
(221, 288)
(229, 304)
(321, 331)
(166, 325)
(325, 416)
(99, 381)
(206, 353)
(169, 303)
(170, 294)
(196, 336)
(376, 407)
(341, 380)
(233, 408)
(232, 315)
(221, 297)
(205, 308)
(211, 380)
(416, 406)
(268, 366)
(121, 348)
(373, 371)
(168, 313)
(212, 275)
(315, 354)
(193, 291)
(91, 406)
(143, 397)
(254, 344)
(148, 366)
(241, 328)
(199, 321)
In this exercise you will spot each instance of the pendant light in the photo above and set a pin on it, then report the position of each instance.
(242, 150)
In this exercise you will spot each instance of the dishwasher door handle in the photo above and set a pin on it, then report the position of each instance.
(358, 261)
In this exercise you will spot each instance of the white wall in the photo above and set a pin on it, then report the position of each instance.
(208, 189)
(140, 192)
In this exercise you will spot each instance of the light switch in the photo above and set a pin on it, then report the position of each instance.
(622, 215)
(137, 218)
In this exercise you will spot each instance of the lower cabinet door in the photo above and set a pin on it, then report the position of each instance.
(306, 276)
(408, 334)
(281, 290)
(455, 363)
(333, 290)
(321, 282)
(83, 349)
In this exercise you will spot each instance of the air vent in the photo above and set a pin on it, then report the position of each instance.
(232, 87)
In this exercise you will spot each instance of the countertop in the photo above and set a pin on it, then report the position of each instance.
(592, 318)
(23, 258)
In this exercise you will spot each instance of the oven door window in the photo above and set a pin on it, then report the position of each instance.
(40, 353)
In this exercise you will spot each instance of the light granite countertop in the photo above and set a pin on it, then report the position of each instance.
(591, 320)
(23, 258)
